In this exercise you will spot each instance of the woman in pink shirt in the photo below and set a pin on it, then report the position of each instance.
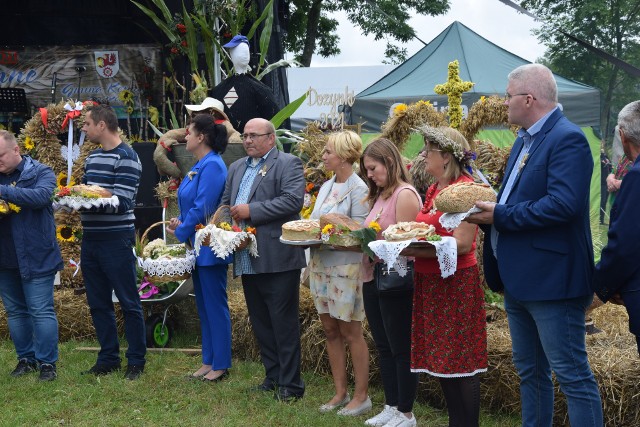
(392, 199)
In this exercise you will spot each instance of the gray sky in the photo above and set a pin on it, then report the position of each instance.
(491, 19)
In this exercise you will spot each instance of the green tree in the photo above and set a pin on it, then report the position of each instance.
(311, 29)
(610, 25)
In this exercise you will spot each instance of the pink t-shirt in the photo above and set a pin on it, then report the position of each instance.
(384, 213)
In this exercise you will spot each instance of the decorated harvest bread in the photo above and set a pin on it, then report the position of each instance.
(91, 191)
(462, 196)
(408, 230)
(342, 226)
(339, 220)
(301, 230)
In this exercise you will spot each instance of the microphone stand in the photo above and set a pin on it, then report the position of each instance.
(53, 87)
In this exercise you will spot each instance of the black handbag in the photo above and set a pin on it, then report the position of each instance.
(391, 281)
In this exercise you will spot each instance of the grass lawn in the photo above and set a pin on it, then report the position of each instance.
(162, 397)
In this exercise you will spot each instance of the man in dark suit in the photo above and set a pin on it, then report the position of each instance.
(538, 250)
(617, 275)
(265, 190)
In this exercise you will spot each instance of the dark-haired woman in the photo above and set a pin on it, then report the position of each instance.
(198, 197)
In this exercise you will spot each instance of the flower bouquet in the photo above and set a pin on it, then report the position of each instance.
(83, 196)
(164, 263)
(7, 208)
(224, 237)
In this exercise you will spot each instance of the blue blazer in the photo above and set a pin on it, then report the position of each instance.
(618, 267)
(198, 199)
(544, 244)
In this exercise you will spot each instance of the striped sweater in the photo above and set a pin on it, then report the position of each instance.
(117, 170)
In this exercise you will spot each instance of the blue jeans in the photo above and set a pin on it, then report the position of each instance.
(111, 265)
(550, 335)
(32, 319)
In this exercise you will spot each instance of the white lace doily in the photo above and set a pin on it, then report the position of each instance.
(389, 252)
(168, 265)
(76, 202)
(453, 220)
(224, 242)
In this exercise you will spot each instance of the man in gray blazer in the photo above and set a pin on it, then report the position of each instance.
(265, 190)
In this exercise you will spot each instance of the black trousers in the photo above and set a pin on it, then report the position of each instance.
(273, 301)
(389, 317)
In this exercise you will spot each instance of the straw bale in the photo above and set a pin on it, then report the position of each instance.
(74, 317)
(613, 357)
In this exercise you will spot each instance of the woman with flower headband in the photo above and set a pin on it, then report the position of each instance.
(392, 199)
(199, 195)
(335, 276)
(449, 337)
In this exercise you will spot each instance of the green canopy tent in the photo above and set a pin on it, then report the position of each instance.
(485, 64)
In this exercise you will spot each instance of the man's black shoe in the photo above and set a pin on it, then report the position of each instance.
(133, 372)
(24, 367)
(47, 372)
(99, 370)
(286, 395)
(266, 385)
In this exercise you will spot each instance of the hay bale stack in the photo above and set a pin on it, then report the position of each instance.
(613, 357)
(74, 318)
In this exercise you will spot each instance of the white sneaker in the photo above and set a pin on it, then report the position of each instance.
(400, 420)
(383, 417)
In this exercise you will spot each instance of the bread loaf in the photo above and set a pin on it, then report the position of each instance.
(408, 230)
(343, 226)
(339, 220)
(301, 230)
(462, 196)
(90, 191)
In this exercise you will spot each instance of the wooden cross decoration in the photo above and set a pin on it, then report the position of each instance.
(454, 88)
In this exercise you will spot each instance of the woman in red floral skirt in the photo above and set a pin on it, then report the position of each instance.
(449, 337)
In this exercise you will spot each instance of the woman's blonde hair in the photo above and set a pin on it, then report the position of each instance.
(383, 151)
(347, 145)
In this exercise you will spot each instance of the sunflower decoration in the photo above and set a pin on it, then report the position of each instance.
(62, 180)
(64, 234)
(29, 144)
(126, 96)
(400, 109)
(7, 208)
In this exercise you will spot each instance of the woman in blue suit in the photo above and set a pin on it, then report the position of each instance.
(198, 197)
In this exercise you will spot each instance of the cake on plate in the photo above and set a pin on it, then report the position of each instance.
(301, 230)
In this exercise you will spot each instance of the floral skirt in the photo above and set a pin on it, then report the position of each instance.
(449, 333)
(336, 290)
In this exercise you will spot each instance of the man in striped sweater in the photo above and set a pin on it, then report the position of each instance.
(108, 236)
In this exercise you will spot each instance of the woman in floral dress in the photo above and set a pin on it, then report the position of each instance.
(335, 280)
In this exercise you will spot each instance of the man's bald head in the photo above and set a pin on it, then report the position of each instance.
(10, 156)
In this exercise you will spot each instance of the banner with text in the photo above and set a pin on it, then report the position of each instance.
(53, 73)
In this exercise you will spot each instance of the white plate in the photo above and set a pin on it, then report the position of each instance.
(312, 242)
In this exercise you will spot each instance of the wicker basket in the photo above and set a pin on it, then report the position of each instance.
(164, 278)
(223, 214)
